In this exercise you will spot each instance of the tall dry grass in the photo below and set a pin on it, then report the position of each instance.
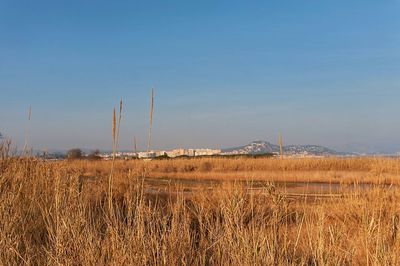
(280, 141)
(331, 170)
(150, 119)
(115, 138)
(27, 151)
(52, 213)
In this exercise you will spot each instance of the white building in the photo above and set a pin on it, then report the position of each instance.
(192, 152)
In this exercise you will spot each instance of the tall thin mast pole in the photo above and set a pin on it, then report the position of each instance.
(134, 145)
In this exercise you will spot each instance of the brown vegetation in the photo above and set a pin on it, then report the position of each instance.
(330, 170)
(57, 213)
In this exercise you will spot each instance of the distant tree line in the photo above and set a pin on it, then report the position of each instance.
(76, 154)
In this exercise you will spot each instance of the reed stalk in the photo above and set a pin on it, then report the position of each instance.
(115, 139)
(280, 146)
(26, 144)
(151, 119)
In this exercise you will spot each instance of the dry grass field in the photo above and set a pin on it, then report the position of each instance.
(329, 170)
(57, 213)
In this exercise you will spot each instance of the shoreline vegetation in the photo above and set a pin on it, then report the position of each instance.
(59, 212)
(324, 170)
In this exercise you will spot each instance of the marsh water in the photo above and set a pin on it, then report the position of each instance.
(319, 189)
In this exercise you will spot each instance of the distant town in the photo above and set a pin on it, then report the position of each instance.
(255, 148)
(162, 153)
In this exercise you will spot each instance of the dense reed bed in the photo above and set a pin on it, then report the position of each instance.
(330, 170)
(55, 213)
(378, 164)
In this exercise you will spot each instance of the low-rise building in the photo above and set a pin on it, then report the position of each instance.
(192, 152)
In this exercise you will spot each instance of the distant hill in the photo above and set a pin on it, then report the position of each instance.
(262, 147)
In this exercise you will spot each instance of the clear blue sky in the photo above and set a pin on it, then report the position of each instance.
(225, 72)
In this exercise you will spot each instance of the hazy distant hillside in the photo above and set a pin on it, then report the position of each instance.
(255, 147)
(261, 147)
